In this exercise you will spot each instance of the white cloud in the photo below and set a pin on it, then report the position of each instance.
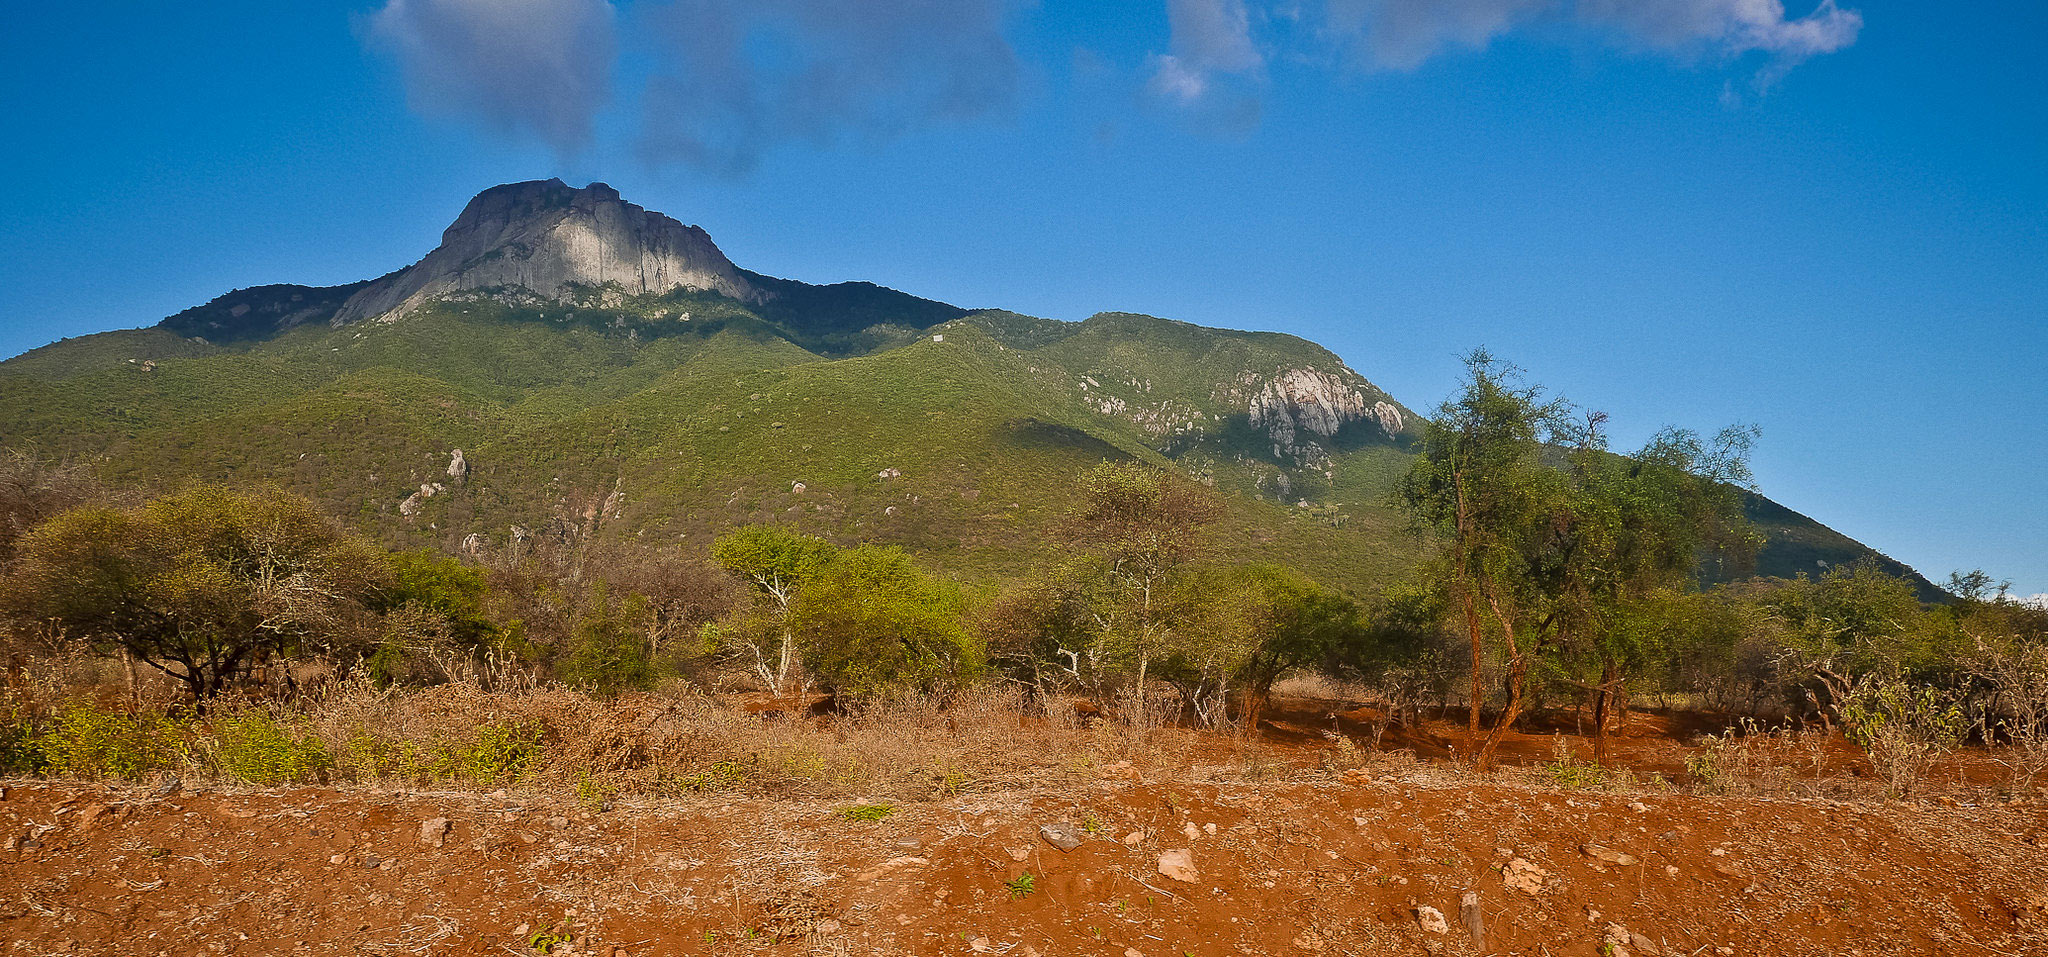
(2038, 601)
(719, 82)
(1403, 34)
(1213, 35)
(1214, 65)
(1175, 80)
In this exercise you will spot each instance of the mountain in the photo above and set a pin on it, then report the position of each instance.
(566, 367)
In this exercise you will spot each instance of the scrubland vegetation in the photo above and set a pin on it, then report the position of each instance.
(241, 635)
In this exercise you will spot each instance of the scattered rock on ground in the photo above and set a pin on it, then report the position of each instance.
(1178, 864)
(890, 866)
(1432, 920)
(1600, 852)
(1062, 835)
(1521, 875)
(435, 831)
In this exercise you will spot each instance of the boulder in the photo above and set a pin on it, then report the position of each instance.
(1062, 835)
(1178, 864)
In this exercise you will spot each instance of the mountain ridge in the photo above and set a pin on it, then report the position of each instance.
(662, 406)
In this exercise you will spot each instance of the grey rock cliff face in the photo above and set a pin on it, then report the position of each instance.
(545, 237)
(1305, 400)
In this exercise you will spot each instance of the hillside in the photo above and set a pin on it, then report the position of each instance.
(606, 374)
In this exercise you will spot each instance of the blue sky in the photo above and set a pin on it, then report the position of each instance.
(1831, 222)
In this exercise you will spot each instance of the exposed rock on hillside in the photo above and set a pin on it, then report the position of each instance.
(1306, 400)
(547, 238)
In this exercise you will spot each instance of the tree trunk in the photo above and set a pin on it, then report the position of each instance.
(1464, 534)
(1602, 699)
(1518, 672)
(1478, 669)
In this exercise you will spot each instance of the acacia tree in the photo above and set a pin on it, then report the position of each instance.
(1857, 620)
(678, 596)
(201, 585)
(1145, 529)
(1641, 525)
(871, 621)
(776, 563)
(1254, 624)
(1482, 485)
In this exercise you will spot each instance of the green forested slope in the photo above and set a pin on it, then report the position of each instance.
(665, 419)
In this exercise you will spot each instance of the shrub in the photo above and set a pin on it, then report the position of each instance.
(503, 753)
(872, 621)
(1902, 728)
(21, 745)
(868, 813)
(87, 742)
(254, 748)
(606, 651)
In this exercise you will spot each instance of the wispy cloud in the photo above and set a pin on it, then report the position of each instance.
(1209, 38)
(1213, 68)
(1403, 34)
(529, 67)
(719, 83)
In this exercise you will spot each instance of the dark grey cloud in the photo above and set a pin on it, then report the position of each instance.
(718, 81)
(732, 78)
(534, 67)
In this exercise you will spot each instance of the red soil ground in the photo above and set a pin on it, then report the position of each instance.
(1307, 862)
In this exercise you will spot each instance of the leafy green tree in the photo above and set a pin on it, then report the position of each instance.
(775, 564)
(1025, 627)
(871, 620)
(434, 615)
(1144, 529)
(1253, 625)
(446, 586)
(1410, 650)
(606, 651)
(1639, 526)
(1858, 621)
(202, 585)
(1482, 486)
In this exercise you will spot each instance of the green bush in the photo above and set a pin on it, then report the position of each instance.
(872, 621)
(367, 756)
(607, 652)
(21, 745)
(254, 748)
(503, 753)
(1903, 728)
(87, 742)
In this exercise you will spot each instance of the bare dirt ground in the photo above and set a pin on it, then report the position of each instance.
(1301, 862)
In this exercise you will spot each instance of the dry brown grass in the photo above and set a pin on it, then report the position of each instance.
(909, 747)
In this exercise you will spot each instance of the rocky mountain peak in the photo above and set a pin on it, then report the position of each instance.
(544, 237)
